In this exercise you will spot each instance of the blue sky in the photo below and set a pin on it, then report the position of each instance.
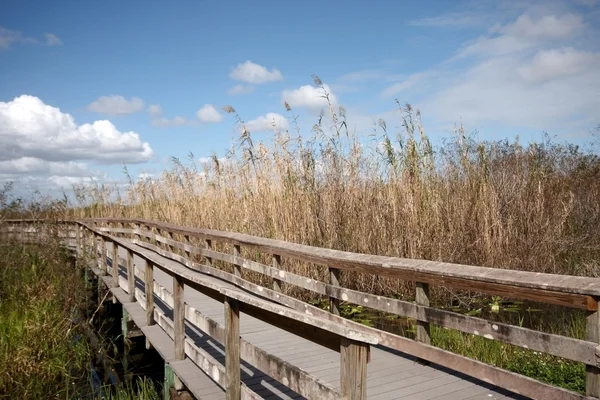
(89, 85)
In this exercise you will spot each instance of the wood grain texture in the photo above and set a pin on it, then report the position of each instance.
(422, 298)
(115, 263)
(389, 266)
(149, 291)
(130, 276)
(353, 369)
(179, 317)
(232, 349)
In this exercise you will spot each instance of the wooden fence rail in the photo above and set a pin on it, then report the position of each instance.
(352, 340)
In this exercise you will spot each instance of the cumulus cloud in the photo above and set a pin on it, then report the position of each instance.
(36, 138)
(157, 118)
(310, 97)
(8, 37)
(208, 113)
(255, 74)
(155, 110)
(116, 105)
(52, 39)
(552, 64)
(240, 89)
(269, 122)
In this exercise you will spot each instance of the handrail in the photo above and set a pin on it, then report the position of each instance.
(572, 291)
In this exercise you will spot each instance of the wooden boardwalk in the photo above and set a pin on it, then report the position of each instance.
(390, 375)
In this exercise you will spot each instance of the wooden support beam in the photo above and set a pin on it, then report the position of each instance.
(592, 382)
(103, 265)
(149, 292)
(422, 297)
(277, 283)
(237, 267)
(115, 264)
(334, 280)
(130, 276)
(179, 317)
(208, 245)
(353, 369)
(232, 349)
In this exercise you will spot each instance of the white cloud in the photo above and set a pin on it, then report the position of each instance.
(8, 37)
(175, 121)
(452, 20)
(116, 105)
(546, 27)
(240, 89)
(552, 64)
(208, 113)
(538, 72)
(30, 129)
(404, 85)
(269, 122)
(155, 110)
(255, 74)
(52, 39)
(310, 97)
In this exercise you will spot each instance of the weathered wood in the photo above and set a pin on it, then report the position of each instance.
(237, 268)
(422, 298)
(187, 240)
(115, 263)
(149, 291)
(291, 376)
(561, 346)
(353, 369)
(592, 382)
(208, 245)
(562, 298)
(179, 317)
(130, 276)
(276, 261)
(334, 280)
(232, 349)
(103, 264)
(78, 239)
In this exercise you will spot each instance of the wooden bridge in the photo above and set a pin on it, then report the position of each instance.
(194, 295)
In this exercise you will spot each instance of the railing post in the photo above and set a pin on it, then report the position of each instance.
(115, 264)
(354, 357)
(149, 291)
(170, 236)
(138, 228)
(178, 317)
(237, 268)
(187, 241)
(103, 265)
(334, 280)
(208, 245)
(78, 239)
(232, 350)
(130, 276)
(422, 298)
(277, 264)
(592, 382)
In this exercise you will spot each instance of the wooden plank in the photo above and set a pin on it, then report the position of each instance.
(237, 268)
(353, 369)
(592, 382)
(178, 317)
(149, 291)
(422, 298)
(232, 349)
(130, 276)
(334, 280)
(276, 262)
(291, 376)
(561, 346)
(389, 266)
(115, 264)
(103, 264)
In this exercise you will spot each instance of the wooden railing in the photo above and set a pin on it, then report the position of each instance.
(352, 339)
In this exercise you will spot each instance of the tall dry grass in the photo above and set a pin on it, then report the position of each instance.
(501, 204)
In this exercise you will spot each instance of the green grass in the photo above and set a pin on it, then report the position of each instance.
(43, 353)
(39, 350)
(543, 367)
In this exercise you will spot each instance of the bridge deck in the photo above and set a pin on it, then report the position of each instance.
(391, 375)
